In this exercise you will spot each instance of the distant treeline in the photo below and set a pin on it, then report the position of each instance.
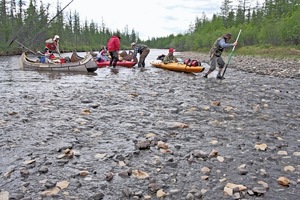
(275, 22)
(31, 24)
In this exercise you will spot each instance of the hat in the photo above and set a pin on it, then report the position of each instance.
(56, 37)
(227, 35)
(132, 44)
(171, 50)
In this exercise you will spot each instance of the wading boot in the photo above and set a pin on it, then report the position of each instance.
(220, 77)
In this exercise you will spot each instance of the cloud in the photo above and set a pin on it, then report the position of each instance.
(153, 18)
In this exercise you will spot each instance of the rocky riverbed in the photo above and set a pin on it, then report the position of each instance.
(151, 134)
(286, 68)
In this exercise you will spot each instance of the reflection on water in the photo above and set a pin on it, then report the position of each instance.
(142, 69)
(114, 70)
(57, 75)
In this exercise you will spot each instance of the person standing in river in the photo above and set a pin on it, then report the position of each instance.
(215, 54)
(51, 45)
(143, 50)
(113, 47)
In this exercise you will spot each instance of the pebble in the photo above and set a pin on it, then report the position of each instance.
(43, 169)
(24, 172)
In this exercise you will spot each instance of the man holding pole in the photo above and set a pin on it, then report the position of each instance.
(215, 54)
(52, 45)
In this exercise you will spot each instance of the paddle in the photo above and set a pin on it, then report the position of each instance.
(231, 54)
(22, 45)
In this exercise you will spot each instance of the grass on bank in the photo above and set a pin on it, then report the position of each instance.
(290, 52)
(270, 51)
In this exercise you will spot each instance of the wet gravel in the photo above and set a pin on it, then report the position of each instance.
(151, 134)
(285, 68)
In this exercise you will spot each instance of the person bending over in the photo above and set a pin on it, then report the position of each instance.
(143, 50)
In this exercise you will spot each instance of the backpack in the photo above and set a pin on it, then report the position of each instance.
(161, 57)
(192, 63)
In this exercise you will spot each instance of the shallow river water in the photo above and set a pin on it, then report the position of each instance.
(147, 134)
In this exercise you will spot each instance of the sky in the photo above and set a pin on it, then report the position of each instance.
(148, 18)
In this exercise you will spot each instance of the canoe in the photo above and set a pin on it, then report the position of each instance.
(76, 64)
(180, 67)
(123, 63)
(124, 60)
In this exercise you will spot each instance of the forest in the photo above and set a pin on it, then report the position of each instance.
(274, 23)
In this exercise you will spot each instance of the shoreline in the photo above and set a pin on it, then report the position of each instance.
(285, 68)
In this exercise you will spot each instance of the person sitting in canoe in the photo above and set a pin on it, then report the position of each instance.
(170, 58)
(102, 56)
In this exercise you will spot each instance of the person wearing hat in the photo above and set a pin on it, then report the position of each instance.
(215, 54)
(113, 47)
(52, 45)
(170, 58)
(143, 50)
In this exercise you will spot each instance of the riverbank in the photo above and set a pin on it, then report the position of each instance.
(286, 68)
(260, 63)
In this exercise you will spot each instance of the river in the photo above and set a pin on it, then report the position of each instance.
(147, 134)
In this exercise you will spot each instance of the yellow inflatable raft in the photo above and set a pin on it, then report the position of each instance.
(177, 67)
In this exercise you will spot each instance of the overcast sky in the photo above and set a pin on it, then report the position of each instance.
(151, 18)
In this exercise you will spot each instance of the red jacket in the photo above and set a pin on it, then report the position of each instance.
(113, 44)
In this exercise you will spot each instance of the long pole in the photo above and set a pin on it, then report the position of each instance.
(52, 19)
(22, 45)
(231, 54)
(14, 38)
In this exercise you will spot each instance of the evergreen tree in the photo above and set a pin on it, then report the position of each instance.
(225, 10)
(275, 22)
(4, 33)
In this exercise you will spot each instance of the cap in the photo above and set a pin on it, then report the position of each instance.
(56, 37)
(132, 44)
(171, 50)
(227, 35)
